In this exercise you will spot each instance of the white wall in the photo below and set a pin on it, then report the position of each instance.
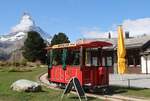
(143, 64)
(148, 63)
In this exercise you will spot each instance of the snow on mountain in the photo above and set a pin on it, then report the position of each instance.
(25, 24)
(19, 31)
(14, 37)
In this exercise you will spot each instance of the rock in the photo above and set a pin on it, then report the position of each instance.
(26, 86)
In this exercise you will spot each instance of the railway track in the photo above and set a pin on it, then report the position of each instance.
(43, 80)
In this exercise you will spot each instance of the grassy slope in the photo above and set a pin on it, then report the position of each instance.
(6, 94)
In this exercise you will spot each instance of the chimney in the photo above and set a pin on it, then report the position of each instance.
(109, 35)
(127, 35)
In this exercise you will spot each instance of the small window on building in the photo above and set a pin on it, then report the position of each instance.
(133, 60)
(130, 60)
(137, 60)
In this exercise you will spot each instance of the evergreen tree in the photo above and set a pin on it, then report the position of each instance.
(34, 47)
(60, 38)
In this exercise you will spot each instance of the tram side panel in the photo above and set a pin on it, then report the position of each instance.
(57, 74)
(103, 76)
(90, 76)
(93, 76)
(73, 71)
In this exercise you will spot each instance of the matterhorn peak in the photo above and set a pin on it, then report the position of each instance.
(19, 31)
(27, 19)
(25, 24)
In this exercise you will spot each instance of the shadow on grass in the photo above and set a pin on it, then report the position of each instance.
(117, 90)
(38, 91)
(76, 97)
(120, 89)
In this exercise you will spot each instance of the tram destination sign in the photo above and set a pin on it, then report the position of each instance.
(65, 45)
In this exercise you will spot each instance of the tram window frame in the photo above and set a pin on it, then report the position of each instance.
(89, 57)
(59, 56)
(103, 61)
(70, 60)
(109, 62)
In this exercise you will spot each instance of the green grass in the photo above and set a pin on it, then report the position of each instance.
(131, 92)
(7, 77)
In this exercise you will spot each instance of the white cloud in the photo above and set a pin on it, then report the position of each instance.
(135, 27)
(138, 26)
(94, 32)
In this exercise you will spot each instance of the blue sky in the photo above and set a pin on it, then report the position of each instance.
(76, 18)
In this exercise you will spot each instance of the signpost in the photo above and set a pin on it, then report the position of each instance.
(74, 82)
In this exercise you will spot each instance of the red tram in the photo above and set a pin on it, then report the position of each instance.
(82, 60)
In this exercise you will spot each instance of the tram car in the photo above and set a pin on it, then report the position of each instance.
(82, 60)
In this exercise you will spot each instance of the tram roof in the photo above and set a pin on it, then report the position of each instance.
(85, 44)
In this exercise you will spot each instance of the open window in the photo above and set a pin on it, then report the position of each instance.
(73, 57)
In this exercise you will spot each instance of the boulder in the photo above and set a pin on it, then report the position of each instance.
(26, 86)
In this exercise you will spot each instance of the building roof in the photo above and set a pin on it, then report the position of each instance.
(132, 42)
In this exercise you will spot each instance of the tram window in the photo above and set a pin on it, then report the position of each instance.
(69, 60)
(131, 60)
(91, 57)
(103, 61)
(88, 58)
(109, 61)
(73, 58)
(94, 61)
(94, 55)
(57, 57)
(76, 58)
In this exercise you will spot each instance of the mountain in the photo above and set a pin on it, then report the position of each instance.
(15, 38)
(19, 31)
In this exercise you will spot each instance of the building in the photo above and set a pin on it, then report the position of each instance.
(137, 53)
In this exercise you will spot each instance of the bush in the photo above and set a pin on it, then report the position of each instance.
(15, 69)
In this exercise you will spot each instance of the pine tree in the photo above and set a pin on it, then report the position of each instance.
(33, 49)
(59, 39)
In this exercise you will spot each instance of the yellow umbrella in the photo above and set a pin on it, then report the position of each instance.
(121, 52)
